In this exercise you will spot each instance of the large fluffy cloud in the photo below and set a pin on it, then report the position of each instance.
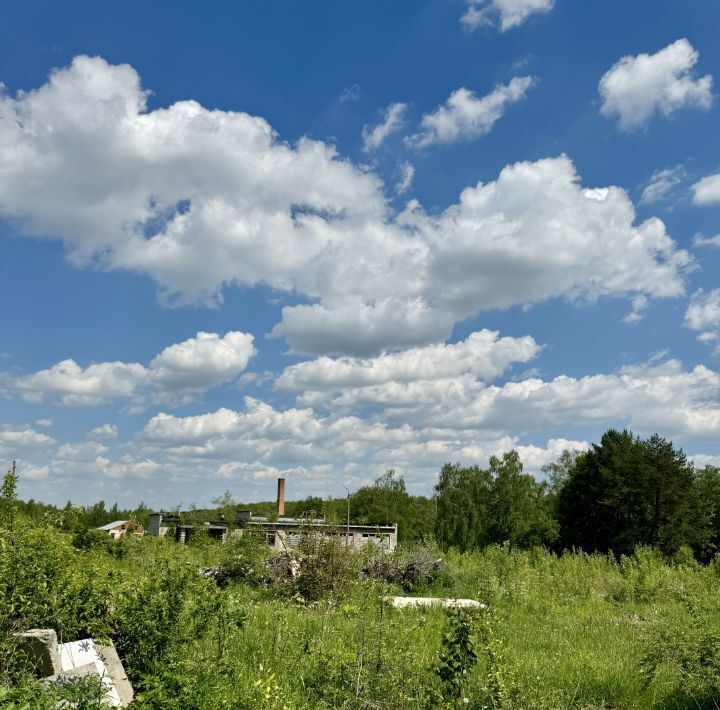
(509, 13)
(531, 235)
(483, 354)
(184, 369)
(199, 199)
(420, 425)
(261, 441)
(464, 115)
(448, 391)
(413, 411)
(202, 362)
(663, 398)
(637, 87)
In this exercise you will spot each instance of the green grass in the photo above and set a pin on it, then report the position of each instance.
(574, 631)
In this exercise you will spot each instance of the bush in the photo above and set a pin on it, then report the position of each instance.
(242, 559)
(327, 568)
(84, 693)
(691, 654)
(149, 614)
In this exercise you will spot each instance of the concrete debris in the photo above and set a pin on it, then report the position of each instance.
(83, 654)
(39, 647)
(71, 675)
(413, 602)
(116, 671)
(66, 662)
(281, 568)
(232, 570)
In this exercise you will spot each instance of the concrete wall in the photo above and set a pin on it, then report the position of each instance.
(156, 527)
(282, 539)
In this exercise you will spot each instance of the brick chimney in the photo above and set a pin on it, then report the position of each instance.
(281, 497)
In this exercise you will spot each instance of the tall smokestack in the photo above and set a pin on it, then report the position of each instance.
(281, 497)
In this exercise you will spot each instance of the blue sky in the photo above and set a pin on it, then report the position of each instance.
(250, 240)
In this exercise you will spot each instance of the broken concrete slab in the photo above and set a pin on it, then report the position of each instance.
(70, 675)
(40, 649)
(77, 654)
(411, 602)
(116, 671)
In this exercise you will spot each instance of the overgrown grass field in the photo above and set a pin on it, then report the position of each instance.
(569, 631)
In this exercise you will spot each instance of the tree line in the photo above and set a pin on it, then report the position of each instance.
(621, 493)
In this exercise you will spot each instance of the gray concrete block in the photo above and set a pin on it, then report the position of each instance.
(39, 647)
(116, 671)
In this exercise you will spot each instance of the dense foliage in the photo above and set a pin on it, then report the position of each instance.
(569, 631)
(626, 492)
(621, 493)
(478, 507)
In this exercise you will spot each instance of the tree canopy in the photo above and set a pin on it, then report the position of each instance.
(626, 492)
(478, 507)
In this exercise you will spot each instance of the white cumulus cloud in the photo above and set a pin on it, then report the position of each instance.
(483, 354)
(701, 241)
(104, 431)
(407, 175)
(202, 362)
(662, 183)
(15, 439)
(77, 386)
(707, 190)
(654, 397)
(637, 87)
(464, 115)
(419, 425)
(703, 314)
(184, 369)
(201, 200)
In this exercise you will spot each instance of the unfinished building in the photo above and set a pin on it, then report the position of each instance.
(162, 524)
(283, 533)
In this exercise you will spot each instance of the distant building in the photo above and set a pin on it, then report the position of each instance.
(281, 534)
(285, 533)
(118, 528)
(160, 524)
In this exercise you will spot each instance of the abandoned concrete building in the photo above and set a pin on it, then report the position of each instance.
(282, 533)
(162, 524)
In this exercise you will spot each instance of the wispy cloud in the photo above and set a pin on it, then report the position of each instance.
(374, 137)
(505, 13)
(662, 183)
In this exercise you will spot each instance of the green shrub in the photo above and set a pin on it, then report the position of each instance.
(688, 653)
(327, 568)
(147, 621)
(84, 693)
